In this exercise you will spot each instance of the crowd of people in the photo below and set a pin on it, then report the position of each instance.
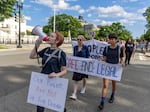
(114, 53)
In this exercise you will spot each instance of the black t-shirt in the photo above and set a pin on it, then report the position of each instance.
(55, 63)
(129, 47)
(112, 54)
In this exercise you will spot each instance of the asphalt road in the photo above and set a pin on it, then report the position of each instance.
(132, 91)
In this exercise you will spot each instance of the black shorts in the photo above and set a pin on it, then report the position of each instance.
(78, 76)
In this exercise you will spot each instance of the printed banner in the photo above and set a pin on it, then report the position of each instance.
(94, 67)
(95, 47)
(47, 92)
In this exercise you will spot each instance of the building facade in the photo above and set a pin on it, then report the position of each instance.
(9, 31)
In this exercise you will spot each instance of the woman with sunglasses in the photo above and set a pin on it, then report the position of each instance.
(80, 51)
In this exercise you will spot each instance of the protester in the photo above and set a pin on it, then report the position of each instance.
(135, 47)
(129, 48)
(112, 54)
(79, 50)
(142, 45)
(146, 45)
(53, 58)
(122, 44)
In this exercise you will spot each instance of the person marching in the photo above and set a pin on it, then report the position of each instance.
(52, 64)
(112, 54)
(129, 48)
(80, 51)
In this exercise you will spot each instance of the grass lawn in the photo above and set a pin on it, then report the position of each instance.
(3, 47)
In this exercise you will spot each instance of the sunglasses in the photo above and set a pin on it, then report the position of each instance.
(79, 39)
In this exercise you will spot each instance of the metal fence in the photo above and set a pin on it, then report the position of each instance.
(27, 39)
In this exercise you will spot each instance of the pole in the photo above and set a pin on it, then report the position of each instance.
(19, 38)
(19, 6)
(54, 21)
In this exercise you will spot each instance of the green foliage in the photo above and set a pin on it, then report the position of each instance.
(6, 8)
(147, 15)
(63, 25)
(28, 32)
(114, 28)
(47, 29)
(147, 35)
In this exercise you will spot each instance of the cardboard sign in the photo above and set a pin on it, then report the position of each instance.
(95, 47)
(47, 92)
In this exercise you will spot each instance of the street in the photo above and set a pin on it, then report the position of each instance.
(132, 91)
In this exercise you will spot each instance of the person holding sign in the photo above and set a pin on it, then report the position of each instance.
(53, 58)
(79, 50)
(112, 54)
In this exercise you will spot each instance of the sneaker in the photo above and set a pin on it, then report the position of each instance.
(101, 106)
(111, 100)
(73, 97)
(83, 90)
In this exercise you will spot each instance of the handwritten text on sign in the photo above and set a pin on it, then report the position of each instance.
(47, 92)
(94, 67)
(95, 47)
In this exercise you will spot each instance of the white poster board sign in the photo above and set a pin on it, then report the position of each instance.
(94, 67)
(95, 47)
(47, 92)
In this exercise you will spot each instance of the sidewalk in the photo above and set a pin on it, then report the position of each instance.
(147, 54)
(66, 47)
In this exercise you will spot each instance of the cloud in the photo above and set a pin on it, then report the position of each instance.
(26, 6)
(89, 15)
(106, 22)
(130, 0)
(59, 4)
(117, 12)
(28, 18)
(142, 10)
(126, 21)
(71, 0)
(76, 7)
(133, 0)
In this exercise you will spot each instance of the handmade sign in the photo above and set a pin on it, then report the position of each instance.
(47, 92)
(95, 47)
(94, 67)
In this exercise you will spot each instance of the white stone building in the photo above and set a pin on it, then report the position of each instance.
(9, 30)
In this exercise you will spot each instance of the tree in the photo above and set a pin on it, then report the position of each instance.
(147, 35)
(6, 8)
(147, 15)
(63, 25)
(114, 28)
(104, 31)
(28, 32)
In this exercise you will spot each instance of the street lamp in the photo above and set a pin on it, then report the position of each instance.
(19, 6)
